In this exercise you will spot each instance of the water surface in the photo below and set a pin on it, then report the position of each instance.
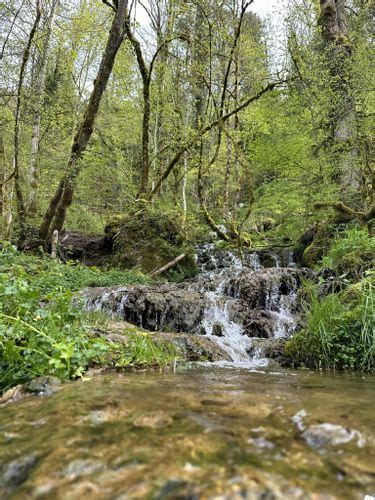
(205, 432)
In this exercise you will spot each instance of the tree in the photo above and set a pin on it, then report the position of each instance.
(55, 215)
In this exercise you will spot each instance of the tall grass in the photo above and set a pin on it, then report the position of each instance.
(339, 331)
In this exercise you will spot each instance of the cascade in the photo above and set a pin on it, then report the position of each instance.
(233, 301)
(217, 323)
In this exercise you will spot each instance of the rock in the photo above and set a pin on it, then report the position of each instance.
(153, 420)
(91, 250)
(79, 468)
(251, 299)
(12, 395)
(217, 330)
(321, 435)
(169, 307)
(43, 386)
(17, 471)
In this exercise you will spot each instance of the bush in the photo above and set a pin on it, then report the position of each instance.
(43, 333)
(340, 330)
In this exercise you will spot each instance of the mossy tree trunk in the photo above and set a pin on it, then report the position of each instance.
(341, 137)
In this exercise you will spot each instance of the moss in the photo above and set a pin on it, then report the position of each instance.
(149, 238)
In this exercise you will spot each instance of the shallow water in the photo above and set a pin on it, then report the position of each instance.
(203, 432)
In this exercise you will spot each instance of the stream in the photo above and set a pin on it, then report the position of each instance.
(199, 433)
(239, 428)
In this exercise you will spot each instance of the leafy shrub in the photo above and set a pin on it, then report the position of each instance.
(351, 251)
(340, 330)
(42, 332)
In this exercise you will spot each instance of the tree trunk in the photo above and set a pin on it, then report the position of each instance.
(56, 212)
(145, 72)
(342, 127)
(37, 108)
(21, 209)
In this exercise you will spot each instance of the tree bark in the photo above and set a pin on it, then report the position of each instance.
(342, 123)
(145, 72)
(56, 212)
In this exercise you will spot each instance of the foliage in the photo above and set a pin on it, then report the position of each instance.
(143, 350)
(49, 275)
(351, 251)
(340, 330)
(42, 332)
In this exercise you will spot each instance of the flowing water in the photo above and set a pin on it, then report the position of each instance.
(234, 429)
(219, 268)
(199, 433)
(232, 301)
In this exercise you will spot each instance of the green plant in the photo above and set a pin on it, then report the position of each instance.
(351, 251)
(44, 332)
(339, 333)
(142, 350)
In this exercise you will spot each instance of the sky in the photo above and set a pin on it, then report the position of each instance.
(264, 7)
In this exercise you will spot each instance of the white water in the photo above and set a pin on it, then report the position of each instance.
(231, 336)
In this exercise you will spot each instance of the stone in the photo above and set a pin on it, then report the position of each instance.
(217, 330)
(326, 434)
(18, 471)
(43, 386)
(153, 420)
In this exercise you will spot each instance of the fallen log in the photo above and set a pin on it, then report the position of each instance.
(168, 266)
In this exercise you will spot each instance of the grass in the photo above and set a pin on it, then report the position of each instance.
(350, 252)
(340, 332)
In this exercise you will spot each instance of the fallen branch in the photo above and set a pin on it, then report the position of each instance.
(168, 266)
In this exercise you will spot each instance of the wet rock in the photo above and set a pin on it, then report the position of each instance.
(177, 489)
(79, 468)
(12, 395)
(217, 330)
(43, 386)
(262, 443)
(250, 297)
(153, 420)
(17, 471)
(329, 434)
(166, 307)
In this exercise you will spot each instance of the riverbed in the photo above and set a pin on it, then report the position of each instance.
(202, 432)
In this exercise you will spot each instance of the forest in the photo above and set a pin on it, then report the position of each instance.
(187, 187)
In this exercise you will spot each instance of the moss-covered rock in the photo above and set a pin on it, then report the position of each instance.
(149, 238)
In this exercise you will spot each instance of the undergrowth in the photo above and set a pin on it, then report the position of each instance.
(339, 332)
(42, 331)
(350, 252)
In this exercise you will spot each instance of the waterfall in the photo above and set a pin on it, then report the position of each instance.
(241, 302)
(217, 323)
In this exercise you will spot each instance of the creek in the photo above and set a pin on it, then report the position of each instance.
(239, 428)
(200, 433)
